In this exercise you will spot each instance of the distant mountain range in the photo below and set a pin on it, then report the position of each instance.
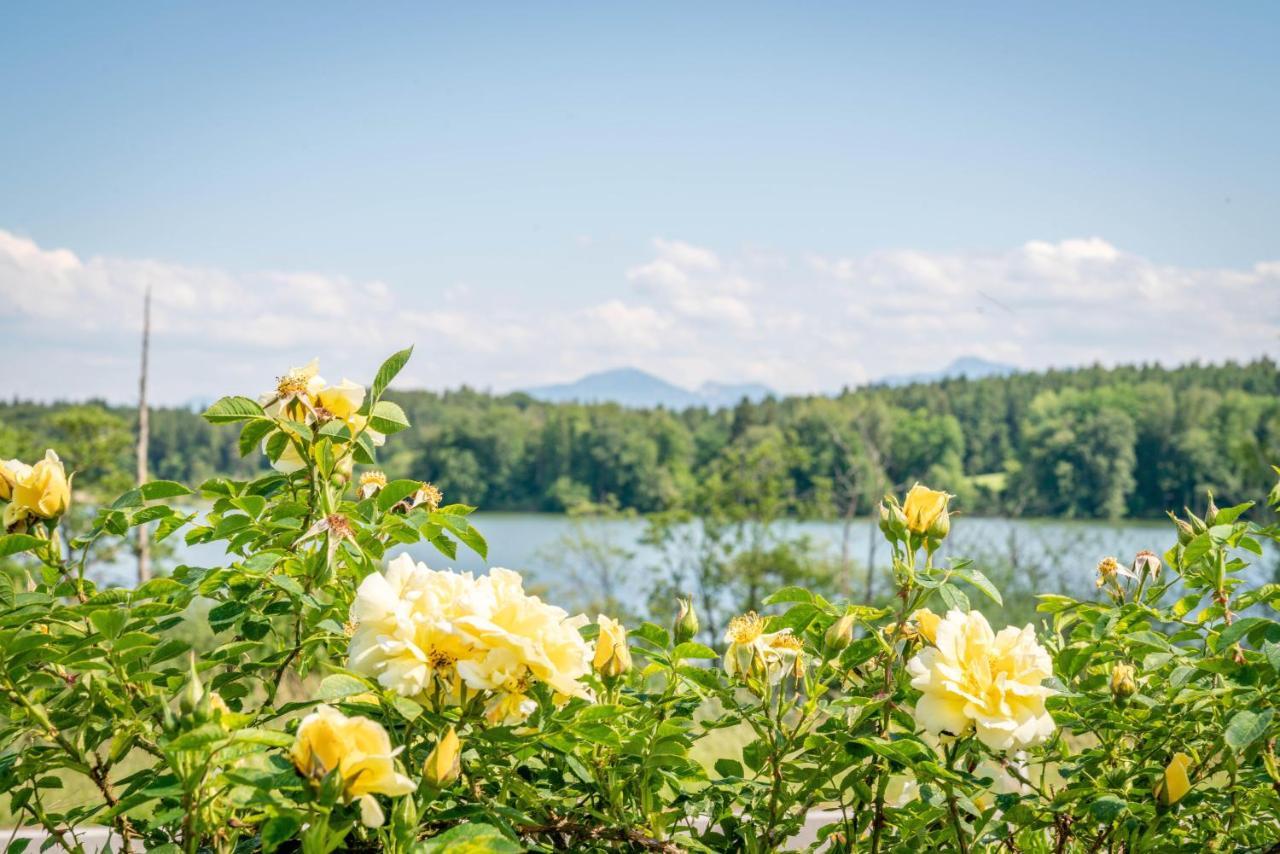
(637, 388)
(969, 367)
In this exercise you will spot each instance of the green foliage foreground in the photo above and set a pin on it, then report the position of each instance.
(349, 701)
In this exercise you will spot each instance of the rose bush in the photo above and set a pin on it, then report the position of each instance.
(352, 697)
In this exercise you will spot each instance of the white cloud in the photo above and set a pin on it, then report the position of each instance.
(798, 323)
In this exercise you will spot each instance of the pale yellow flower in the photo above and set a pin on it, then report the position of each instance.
(612, 656)
(10, 471)
(924, 508)
(43, 490)
(509, 709)
(754, 652)
(404, 635)
(926, 624)
(370, 483)
(359, 750)
(340, 401)
(522, 634)
(1174, 783)
(429, 634)
(295, 393)
(974, 679)
(444, 762)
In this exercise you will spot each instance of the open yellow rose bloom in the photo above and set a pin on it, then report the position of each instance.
(428, 634)
(358, 749)
(974, 679)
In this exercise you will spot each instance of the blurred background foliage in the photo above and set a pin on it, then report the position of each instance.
(1082, 443)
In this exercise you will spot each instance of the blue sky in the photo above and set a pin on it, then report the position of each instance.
(871, 189)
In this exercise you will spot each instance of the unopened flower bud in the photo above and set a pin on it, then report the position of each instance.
(1197, 524)
(940, 527)
(1211, 512)
(444, 763)
(612, 656)
(1185, 532)
(839, 634)
(893, 522)
(1123, 685)
(686, 624)
(193, 692)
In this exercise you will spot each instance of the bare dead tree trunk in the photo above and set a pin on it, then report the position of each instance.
(144, 431)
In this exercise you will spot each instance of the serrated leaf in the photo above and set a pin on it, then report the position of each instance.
(471, 839)
(230, 409)
(387, 372)
(252, 434)
(1245, 728)
(789, 594)
(980, 581)
(339, 685)
(395, 492)
(1237, 630)
(388, 417)
(278, 830)
(16, 543)
(158, 489)
(109, 621)
(694, 650)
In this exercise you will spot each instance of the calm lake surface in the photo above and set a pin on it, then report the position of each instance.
(577, 562)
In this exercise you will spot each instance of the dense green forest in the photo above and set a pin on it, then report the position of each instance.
(1089, 442)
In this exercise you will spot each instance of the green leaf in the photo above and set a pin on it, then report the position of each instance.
(1227, 515)
(6, 591)
(653, 634)
(395, 492)
(157, 489)
(15, 543)
(109, 621)
(388, 372)
(279, 830)
(1272, 652)
(253, 433)
(339, 685)
(1237, 630)
(1245, 728)
(980, 581)
(469, 536)
(230, 409)
(695, 650)
(388, 417)
(789, 594)
(1108, 807)
(471, 839)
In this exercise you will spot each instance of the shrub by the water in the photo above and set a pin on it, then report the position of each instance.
(354, 698)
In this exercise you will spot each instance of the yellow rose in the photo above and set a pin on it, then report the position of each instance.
(444, 763)
(295, 392)
(925, 508)
(10, 471)
(613, 657)
(972, 678)
(926, 623)
(754, 652)
(1123, 685)
(359, 750)
(43, 490)
(1174, 783)
(341, 401)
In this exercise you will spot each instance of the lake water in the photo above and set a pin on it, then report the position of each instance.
(578, 563)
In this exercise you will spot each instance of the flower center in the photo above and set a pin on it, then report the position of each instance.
(747, 628)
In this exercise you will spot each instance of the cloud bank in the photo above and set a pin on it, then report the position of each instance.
(798, 322)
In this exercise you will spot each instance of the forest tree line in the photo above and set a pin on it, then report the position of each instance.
(1086, 443)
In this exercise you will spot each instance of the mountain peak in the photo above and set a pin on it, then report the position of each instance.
(966, 367)
(640, 389)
